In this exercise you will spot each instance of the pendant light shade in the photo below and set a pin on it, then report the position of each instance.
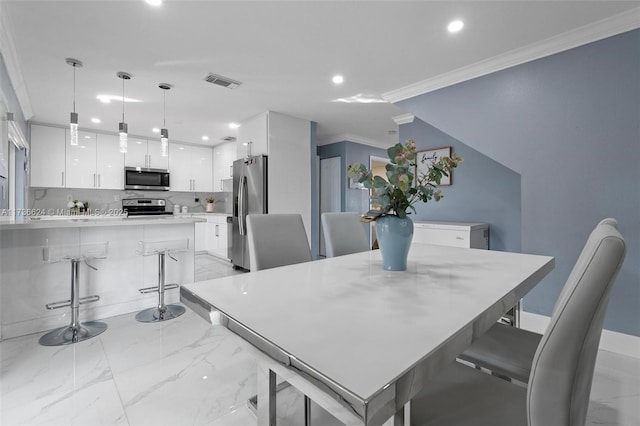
(164, 133)
(123, 129)
(73, 120)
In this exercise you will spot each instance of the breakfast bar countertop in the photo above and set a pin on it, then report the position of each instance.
(81, 221)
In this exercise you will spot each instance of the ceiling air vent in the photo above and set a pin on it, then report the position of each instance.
(229, 138)
(222, 81)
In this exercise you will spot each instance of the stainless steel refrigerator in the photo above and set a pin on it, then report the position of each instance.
(249, 197)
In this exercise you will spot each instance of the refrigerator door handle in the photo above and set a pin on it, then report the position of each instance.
(242, 207)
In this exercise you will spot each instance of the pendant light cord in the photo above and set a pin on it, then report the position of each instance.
(74, 88)
(123, 100)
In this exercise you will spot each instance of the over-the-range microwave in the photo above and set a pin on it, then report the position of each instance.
(146, 179)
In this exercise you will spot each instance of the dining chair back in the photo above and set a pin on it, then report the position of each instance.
(344, 233)
(276, 240)
(564, 362)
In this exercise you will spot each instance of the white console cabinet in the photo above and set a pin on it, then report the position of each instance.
(455, 234)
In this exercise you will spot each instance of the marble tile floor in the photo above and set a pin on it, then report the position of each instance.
(186, 372)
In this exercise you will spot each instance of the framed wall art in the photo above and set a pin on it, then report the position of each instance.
(424, 160)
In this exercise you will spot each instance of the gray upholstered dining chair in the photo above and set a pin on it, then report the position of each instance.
(276, 240)
(344, 233)
(508, 351)
(563, 363)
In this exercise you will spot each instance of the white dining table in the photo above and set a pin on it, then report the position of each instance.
(358, 340)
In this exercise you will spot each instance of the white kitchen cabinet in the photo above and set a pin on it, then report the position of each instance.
(145, 153)
(223, 158)
(47, 156)
(96, 162)
(287, 142)
(201, 234)
(109, 162)
(455, 234)
(217, 232)
(81, 160)
(191, 168)
(254, 131)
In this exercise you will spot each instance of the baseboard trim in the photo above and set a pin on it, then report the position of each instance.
(612, 341)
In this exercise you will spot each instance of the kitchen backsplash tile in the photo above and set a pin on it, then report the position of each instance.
(105, 199)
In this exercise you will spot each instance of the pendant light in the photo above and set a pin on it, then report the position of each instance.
(122, 127)
(73, 121)
(164, 133)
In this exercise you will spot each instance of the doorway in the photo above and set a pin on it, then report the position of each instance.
(330, 192)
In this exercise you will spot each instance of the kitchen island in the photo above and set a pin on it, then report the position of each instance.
(27, 282)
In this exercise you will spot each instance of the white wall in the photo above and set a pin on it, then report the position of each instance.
(289, 173)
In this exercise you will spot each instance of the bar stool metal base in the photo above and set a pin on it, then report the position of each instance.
(156, 315)
(68, 335)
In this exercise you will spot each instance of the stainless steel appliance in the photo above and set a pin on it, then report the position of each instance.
(145, 206)
(249, 197)
(141, 178)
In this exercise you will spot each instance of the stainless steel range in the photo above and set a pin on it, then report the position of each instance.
(145, 206)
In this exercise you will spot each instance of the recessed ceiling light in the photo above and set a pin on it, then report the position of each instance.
(455, 26)
(95, 120)
(234, 125)
(108, 98)
(205, 138)
(87, 137)
(154, 2)
(155, 130)
(361, 99)
(337, 79)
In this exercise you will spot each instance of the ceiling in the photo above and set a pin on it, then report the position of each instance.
(284, 53)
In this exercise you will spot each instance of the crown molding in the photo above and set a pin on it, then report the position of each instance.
(404, 118)
(599, 30)
(11, 62)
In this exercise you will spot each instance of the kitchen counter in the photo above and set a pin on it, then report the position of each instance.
(28, 283)
(201, 214)
(48, 222)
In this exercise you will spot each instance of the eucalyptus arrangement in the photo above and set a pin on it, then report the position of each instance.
(403, 188)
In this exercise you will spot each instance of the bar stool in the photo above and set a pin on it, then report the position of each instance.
(76, 331)
(161, 312)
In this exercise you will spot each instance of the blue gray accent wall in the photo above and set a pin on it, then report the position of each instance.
(569, 124)
(482, 189)
(20, 159)
(351, 200)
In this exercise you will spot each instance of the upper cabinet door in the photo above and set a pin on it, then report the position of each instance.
(202, 175)
(154, 152)
(136, 155)
(191, 168)
(254, 131)
(81, 161)
(47, 156)
(180, 167)
(109, 162)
